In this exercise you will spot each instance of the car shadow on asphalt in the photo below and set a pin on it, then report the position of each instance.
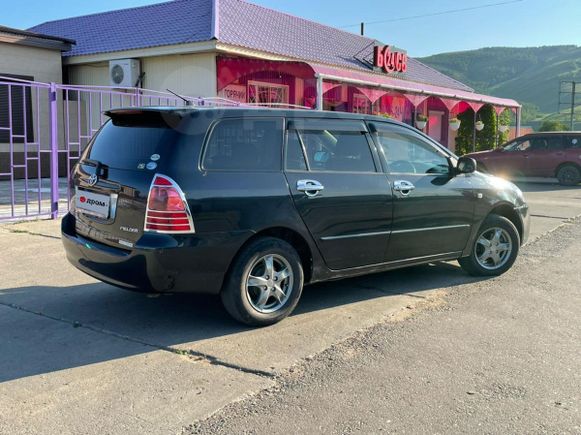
(45, 329)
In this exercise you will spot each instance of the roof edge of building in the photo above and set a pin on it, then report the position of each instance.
(34, 39)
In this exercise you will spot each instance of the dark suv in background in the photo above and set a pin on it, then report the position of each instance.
(550, 154)
(252, 204)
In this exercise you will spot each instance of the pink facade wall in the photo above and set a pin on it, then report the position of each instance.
(295, 83)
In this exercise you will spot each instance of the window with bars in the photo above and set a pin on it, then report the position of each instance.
(267, 93)
(15, 110)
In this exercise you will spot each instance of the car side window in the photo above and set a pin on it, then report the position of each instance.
(251, 144)
(572, 141)
(332, 150)
(554, 143)
(520, 145)
(406, 153)
(294, 158)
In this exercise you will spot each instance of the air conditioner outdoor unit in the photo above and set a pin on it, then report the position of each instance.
(124, 73)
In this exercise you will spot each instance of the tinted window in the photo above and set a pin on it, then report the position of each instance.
(345, 151)
(554, 143)
(520, 145)
(295, 159)
(245, 144)
(406, 153)
(572, 141)
(546, 143)
(128, 145)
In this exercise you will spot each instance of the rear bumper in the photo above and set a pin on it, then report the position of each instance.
(158, 262)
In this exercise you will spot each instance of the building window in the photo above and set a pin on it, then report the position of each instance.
(361, 104)
(21, 104)
(267, 94)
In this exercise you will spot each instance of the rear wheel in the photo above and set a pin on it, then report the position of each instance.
(569, 175)
(495, 249)
(265, 283)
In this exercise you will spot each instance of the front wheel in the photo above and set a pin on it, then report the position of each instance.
(265, 283)
(495, 249)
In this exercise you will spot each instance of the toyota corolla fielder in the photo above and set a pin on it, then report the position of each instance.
(254, 204)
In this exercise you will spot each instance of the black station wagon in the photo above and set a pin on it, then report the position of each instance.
(252, 204)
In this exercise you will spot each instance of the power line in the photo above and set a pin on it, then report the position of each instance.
(434, 14)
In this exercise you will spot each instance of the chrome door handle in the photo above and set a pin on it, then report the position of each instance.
(310, 187)
(403, 186)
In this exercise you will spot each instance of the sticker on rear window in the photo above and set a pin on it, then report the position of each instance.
(151, 166)
(155, 157)
(141, 166)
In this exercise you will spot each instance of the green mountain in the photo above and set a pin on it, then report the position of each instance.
(528, 75)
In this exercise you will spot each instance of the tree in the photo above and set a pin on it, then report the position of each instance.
(485, 139)
(553, 125)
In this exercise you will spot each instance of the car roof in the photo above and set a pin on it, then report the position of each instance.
(228, 112)
(550, 133)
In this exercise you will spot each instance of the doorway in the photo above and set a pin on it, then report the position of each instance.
(436, 125)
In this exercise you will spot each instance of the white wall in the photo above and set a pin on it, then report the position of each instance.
(188, 74)
(44, 65)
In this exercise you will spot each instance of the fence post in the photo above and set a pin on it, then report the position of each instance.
(54, 157)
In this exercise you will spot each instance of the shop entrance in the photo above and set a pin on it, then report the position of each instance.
(435, 125)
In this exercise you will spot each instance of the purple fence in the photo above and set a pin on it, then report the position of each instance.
(44, 128)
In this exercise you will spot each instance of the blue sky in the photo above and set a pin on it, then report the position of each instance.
(518, 24)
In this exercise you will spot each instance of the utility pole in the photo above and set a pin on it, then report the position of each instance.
(567, 99)
(362, 29)
(573, 84)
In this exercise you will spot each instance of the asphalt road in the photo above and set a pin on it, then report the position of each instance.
(495, 356)
(79, 356)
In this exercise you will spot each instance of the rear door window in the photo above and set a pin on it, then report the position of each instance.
(333, 145)
(554, 143)
(253, 144)
(295, 158)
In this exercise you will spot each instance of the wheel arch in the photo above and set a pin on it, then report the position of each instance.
(508, 211)
(293, 238)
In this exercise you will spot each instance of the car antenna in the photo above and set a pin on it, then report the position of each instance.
(188, 102)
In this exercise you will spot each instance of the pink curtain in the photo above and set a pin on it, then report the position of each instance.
(415, 99)
(474, 105)
(327, 86)
(372, 94)
(450, 103)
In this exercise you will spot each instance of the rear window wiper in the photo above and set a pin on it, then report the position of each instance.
(100, 168)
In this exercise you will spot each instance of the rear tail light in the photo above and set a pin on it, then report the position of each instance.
(167, 209)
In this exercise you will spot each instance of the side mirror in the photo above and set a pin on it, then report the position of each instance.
(466, 165)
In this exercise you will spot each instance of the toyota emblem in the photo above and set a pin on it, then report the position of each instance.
(93, 179)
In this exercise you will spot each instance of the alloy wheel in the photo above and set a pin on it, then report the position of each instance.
(493, 248)
(269, 283)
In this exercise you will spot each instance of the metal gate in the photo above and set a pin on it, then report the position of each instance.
(44, 128)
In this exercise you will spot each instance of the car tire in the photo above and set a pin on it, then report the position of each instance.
(495, 248)
(274, 263)
(569, 175)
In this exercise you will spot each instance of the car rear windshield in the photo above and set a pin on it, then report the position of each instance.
(133, 142)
